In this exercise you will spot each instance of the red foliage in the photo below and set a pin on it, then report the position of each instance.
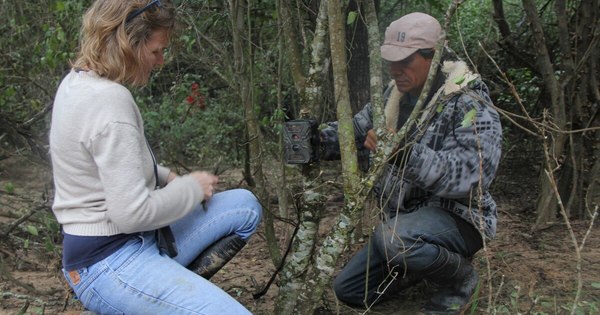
(196, 97)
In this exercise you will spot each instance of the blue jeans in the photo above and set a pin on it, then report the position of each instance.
(401, 247)
(137, 279)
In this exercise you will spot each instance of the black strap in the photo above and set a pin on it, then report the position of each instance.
(165, 239)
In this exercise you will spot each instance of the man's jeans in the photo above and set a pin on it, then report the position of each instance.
(137, 279)
(403, 246)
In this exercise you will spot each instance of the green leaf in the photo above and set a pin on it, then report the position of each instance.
(351, 17)
(49, 245)
(440, 108)
(596, 285)
(9, 187)
(460, 80)
(469, 118)
(60, 6)
(32, 230)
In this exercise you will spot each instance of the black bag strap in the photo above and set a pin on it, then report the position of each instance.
(165, 240)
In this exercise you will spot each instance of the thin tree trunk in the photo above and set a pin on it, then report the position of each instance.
(358, 74)
(311, 201)
(503, 26)
(332, 247)
(243, 76)
(567, 183)
(376, 82)
(293, 50)
(281, 188)
(592, 199)
(546, 205)
(518, 57)
(589, 15)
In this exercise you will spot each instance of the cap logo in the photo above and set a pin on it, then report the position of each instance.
(401, 36)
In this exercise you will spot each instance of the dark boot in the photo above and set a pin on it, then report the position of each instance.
(457, 280)
(401, 283)
(216, 256)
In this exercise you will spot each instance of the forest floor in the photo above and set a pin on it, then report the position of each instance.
(521, 271)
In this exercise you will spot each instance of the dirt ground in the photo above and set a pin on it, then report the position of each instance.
(522, 272)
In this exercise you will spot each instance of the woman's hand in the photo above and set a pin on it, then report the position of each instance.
(207, 181)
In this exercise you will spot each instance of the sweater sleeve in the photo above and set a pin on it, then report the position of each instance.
(469, 154)
(163, 174)
(126, 172)
(362, 123)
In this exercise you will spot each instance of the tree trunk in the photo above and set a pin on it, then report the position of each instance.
(589, 13)
(321, 273)
(568, 78)
(282, 191)
(518, 57)
(358, 69)
(546, 205)
(311, 201)
(243, 81)
(503, 26)
(592, 200)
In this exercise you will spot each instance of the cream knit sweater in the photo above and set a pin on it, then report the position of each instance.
(103, 169)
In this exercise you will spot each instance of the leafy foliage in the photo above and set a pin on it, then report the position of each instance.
(37, 51)
(191, 127)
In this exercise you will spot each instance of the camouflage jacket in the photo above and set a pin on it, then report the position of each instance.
(454, 160)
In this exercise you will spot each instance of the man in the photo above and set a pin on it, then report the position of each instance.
(433, 193)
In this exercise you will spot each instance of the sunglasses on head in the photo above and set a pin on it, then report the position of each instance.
(142, 10)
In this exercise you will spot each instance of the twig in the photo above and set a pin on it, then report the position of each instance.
(35, 299)
(39, 115)
(495, 299)
(24, 308)
(41, 265)
(4, 273)
(550, 174)
(22, 219)
(528, 118)
(589, 230)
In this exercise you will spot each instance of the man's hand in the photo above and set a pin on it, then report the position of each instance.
(371, 140)
(401, 152)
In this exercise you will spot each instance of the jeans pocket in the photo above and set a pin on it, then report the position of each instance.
(94, 302)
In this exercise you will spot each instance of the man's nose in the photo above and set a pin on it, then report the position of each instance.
(396, 71)
(397, 74)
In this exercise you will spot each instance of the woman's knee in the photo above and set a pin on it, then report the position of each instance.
(247, 198)
(251, 209)
(253, 205)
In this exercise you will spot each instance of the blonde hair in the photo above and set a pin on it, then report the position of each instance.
(112, 47)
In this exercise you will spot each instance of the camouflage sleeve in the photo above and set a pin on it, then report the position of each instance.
(453, 169)
(330, 146)
(363, 122)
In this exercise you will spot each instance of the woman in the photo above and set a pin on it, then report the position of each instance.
(134, 229)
